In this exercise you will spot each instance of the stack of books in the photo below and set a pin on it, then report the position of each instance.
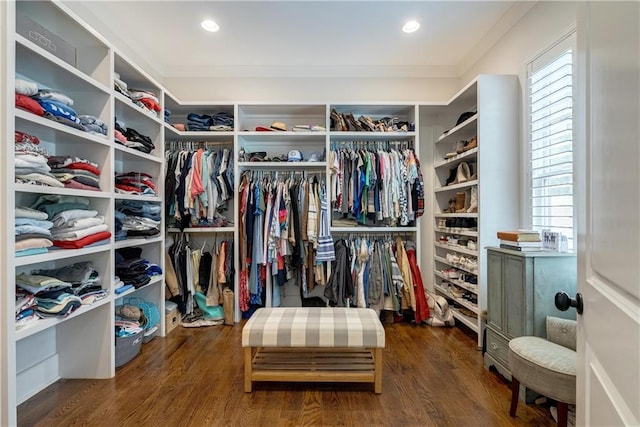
(520, 240)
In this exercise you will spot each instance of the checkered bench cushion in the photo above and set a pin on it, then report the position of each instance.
(313, 327)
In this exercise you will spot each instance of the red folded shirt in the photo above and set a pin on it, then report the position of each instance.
(84, 166)
(29, 104)
(81, 243)
(150, 104)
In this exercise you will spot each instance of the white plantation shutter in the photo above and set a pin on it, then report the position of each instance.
(551, 140)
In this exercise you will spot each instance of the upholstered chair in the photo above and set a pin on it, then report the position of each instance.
(546, 366)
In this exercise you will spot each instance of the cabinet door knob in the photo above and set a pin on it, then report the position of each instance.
(563, 301)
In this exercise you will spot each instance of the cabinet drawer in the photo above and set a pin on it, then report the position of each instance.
(498, 347)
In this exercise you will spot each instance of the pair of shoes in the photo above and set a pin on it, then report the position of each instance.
(463, 173)
(473, 203)
(337, 122)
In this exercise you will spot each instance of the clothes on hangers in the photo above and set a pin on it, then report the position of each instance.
(281, 231)
(375, 184)
(198, 186)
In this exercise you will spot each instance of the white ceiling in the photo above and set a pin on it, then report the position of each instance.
(303, 37)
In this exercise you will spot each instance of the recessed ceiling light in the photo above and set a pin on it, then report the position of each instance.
(210, 25)
(410, 26)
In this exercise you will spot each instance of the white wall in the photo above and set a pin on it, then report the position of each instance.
(311, 90)
(543, 25)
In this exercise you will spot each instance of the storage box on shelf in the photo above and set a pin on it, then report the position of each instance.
(474, 186)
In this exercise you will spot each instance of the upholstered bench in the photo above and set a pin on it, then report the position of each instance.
(313, 344)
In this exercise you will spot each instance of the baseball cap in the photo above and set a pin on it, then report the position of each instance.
(294, 156)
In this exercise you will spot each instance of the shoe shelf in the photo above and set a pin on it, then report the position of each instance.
(455, 215)
(464, 130)
(456, 248)
(46, 323)
(42, 189)
(457, 231)
(466, 184)
(471, 154)
(203, 230)
(445, 262)
(457, 282)
(470, 322)
(463, 302)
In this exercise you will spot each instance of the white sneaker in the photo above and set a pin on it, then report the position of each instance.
(472, 246)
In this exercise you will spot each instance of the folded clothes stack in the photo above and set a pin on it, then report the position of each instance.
(205, 123)
(30, 162)
(167, 115)
(54, 297)
(146, 100)
(134, 270)
(74, 225)
(120, 86)
(26, 306)
(137, 219)
(131, 138)
(75, 172)
(33, 232)
(137, 183)
(54, 105)
(83, 277)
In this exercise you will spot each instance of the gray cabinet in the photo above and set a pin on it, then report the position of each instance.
(520, 295)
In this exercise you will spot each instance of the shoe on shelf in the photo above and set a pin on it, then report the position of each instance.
(463, 174)
(471, 245)
(473, 204)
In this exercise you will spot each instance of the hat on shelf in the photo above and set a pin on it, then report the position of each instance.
(294, 156)
(278, 126)
(465, 116)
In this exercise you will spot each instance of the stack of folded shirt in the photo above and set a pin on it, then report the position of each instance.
(132, 138)
(74, 225)
(53, 296)
(120, 86)
(82, 276)
(146, 100)
(74, 172)
(58, 107)
(131, 268)
(204, 122)
(33, 235)
(93, 124)
(142, 218)
(167, 114)
(26, 306)
(31, 162)
(138, 183)
(120, 217)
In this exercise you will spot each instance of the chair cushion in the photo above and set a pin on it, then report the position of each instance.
(545, 367)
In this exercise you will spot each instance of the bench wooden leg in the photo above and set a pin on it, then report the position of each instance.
(247, 369)
(377, 360)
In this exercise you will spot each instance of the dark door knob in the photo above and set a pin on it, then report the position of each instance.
(564, 301)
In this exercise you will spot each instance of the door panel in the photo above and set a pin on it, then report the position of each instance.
(515, 289)
(608, 384)
(495, 289)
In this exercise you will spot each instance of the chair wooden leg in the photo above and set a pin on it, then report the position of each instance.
(515, 392)
(563, 412)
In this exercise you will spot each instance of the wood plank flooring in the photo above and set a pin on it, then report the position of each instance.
(194, 377)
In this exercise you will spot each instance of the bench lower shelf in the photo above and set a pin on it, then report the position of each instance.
(313, 365)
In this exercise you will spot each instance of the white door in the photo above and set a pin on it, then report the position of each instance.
(609, 219)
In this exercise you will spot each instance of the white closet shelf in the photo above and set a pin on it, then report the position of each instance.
(141, 198)
(173, 134)
(450, 230)
(203, 230)
(464, 130)
(463, 302)
(65, 74)
(283, 165)
(56, 254)
(155, 279)
(457, 282)
(138, 110)
(455, 215)
(373, 229)
(136, 153)
(41, 189)
(456, 248)
(469, 322)
(60, 129)
(465, 184)
(42, 324)
(469, 154)
(367, 136)
(267, 135)
(137, 241)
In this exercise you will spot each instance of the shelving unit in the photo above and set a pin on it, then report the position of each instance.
(494, 161)
(80, 345)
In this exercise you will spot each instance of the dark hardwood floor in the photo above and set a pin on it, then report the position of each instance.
(194, 377)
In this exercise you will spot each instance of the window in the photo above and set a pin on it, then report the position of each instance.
(550, 78)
